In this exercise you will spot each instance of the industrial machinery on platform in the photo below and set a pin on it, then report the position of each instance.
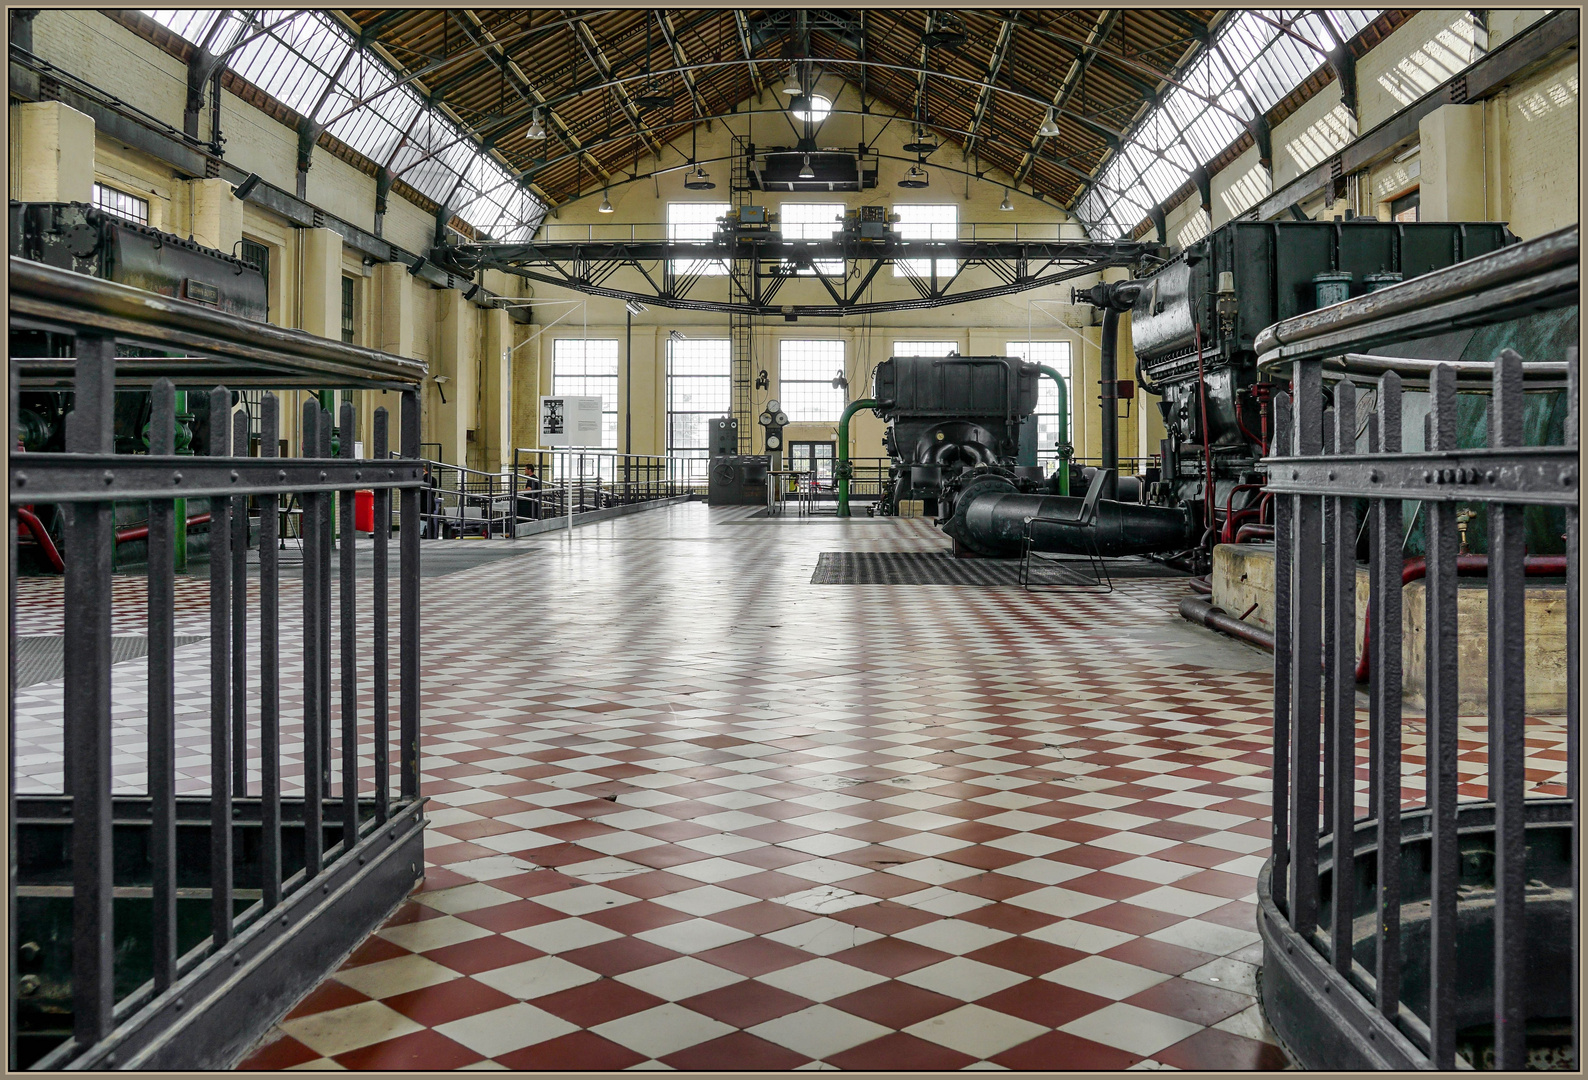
(87, 240)
(962, 435)
(1193, 323)
(958, 425)
(947, 414)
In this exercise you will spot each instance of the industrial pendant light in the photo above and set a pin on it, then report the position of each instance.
(791, 84)
(915, 178)
(606, 204)
(536, 129)
(806, 172)
(1006, 204)
(1050, 125)
(698, 180)
(923, 143)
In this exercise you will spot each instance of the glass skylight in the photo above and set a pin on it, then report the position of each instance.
(306, 60)
(1194, 125)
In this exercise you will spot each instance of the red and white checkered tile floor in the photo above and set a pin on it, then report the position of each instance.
(689, 811)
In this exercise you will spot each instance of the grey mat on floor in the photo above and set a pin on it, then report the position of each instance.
(942, 568)
(41, 657)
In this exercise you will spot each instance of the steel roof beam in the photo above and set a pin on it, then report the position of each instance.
(665, 22)
(1006, 37)
(526, 90)
(742, 24)
(592, 49)
(1072, 79)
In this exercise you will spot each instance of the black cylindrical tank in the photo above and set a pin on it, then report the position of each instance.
(989, 518)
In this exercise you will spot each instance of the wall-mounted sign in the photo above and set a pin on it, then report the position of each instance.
(566, 420)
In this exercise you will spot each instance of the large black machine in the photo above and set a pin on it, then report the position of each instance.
(949, 414)
(1194, 321)
(962, 430)
(87, 240)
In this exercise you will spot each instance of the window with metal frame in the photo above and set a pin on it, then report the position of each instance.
(695, 222)
(1056, 355)
(925, 348)
(926, 221)
(349, 309)
(813, 221)
(806, 370)
(589, 368)
(251, 251)
(121, 203)
(815, 457)
(699, 388)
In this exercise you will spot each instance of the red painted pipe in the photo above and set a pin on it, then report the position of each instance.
(1254, 532)
(141, 532)
(41, 536)
(1466, 566)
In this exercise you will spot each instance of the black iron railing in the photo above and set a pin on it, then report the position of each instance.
(103, 888)
(1417, 933)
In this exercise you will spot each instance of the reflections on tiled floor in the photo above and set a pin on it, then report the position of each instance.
(692, 812)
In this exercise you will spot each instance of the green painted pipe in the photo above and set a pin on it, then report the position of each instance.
(1065, 449)
(841, 469)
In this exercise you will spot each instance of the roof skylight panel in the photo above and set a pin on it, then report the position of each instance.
(280, 71)
(190, 25)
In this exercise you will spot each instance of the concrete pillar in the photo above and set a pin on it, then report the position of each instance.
(218, 215)
(1452, 164)
(52, 153)
(497, 361)
(525, 365)
(455, 363)
(394, 312)
(322, 282)
(392, 331)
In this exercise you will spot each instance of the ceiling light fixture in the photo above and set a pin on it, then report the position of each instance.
(634, 307)
(806, 172)
(1006, 204)
(698, 180)
(922, 143)
(606, 204)
(791, 84)
(915, 178)
(1050, 125)
(537, 130)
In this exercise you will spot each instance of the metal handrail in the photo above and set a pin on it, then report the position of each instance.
(221, 346)
(1399, 1004)
(1505, 283)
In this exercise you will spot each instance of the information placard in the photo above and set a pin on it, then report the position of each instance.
(568, 420)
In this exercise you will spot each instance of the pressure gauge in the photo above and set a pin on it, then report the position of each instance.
(774, 442)
(766, 419)
(782, 418)
(773, 405)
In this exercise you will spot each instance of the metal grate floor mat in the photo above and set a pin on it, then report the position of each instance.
(41, 658)
(942, 568)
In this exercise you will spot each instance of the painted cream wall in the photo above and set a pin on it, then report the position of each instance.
(1541, 140)
(1422, 53)
(52, 153)
(1312, 134)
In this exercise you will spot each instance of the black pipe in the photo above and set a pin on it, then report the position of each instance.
(989, 517)
(1216, 618)
(1109, 369)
